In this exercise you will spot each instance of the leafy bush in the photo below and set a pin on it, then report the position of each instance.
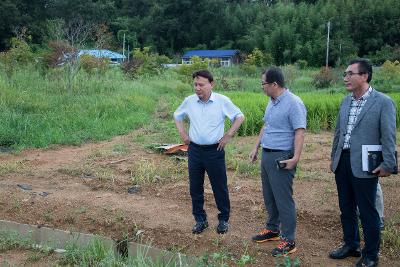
(231, 84)
(302, 64)
(56, 56)
(20, 54)
(131, 67)
(291, 73)
(388, 76)
(249, 69)
(324, 78)
(92, 64)
(186, 70)
(257, 59)
(144, 62)
(387, 52)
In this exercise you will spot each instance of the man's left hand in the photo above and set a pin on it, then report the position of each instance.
(223, 141)
(381, 172)
(290, 163)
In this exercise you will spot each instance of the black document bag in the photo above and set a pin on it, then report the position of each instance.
(375, 158)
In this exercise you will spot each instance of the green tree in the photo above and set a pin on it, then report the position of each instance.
(20, 53)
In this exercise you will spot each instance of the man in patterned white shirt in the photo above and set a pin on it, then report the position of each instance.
(366, 117)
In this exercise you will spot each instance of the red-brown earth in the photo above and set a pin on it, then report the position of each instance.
(88, 193)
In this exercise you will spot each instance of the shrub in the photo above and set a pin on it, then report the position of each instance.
(131, 67)
(144, 62)
(324, 78)
(391, 53)
(92, 64)
(20, 54)
(249, 69)
(291, 73)
(257, 59)
(231, 84)
(302, 64)
(56, 55)
(186, 70)
(388, 76)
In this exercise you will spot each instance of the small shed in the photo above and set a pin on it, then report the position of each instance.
(226, 58)
(115, 58)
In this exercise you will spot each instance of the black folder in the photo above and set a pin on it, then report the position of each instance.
(375, 158)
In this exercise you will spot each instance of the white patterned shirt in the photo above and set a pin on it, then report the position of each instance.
(355, 110)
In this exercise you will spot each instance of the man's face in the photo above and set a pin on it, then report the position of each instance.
(354, 80)
(268, 88)
(202, 87)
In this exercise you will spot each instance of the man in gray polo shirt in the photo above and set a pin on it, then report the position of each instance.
(281, 138)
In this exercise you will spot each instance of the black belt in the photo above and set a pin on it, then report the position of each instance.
(204, 146)
(272, 150)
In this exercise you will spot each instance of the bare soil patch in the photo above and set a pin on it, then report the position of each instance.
(87, 191)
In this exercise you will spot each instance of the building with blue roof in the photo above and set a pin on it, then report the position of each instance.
(226, 58)
(115, 58)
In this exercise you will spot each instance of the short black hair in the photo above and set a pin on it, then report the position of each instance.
(203, 73)
(274, 74)
(364, 66)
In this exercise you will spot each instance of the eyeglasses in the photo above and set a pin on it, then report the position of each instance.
(350, 73)
(264, 83)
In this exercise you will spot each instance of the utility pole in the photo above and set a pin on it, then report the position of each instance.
(327, 45)
(123, 47)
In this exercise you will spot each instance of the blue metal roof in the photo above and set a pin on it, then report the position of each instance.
(101, 53)
(210, 53)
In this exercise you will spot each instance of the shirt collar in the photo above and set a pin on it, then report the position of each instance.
(280, 97)
(364, 96)
(211, 99)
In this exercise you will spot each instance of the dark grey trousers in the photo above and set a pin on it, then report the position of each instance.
(277, 188)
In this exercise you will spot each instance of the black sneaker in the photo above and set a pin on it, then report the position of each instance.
(222, 227)
(199, 227)
(266, 235)
(284, 248)
(345, 251)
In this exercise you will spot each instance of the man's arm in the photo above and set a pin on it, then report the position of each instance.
(231, 132)
(179, 115)
(335, 140)
(182, 131)
(298, 148)
(388, 138)
(254, 152)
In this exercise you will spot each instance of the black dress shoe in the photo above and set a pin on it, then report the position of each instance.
(222, 227)
(365, 262)
(199, 227)
(344, 252)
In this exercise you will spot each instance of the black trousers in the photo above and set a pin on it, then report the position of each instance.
(361, 192)
(208, 159)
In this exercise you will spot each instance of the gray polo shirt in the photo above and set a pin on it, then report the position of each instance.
(282, 117)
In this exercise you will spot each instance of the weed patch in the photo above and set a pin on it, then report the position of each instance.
(151, 171)
(11, 167)
(391, 236)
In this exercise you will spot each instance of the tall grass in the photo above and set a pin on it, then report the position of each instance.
(322, 109)
(36, 110)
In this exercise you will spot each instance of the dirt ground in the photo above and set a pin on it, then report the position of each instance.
(87, 192)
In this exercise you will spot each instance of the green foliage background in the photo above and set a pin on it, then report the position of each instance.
(288, 30)
(36, 109)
